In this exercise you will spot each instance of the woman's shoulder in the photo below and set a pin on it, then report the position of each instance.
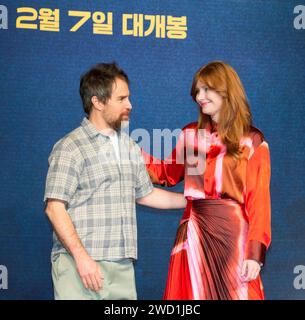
(192, 125)
(256, 136)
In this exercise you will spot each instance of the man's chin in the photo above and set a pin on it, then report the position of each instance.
(124, 124)
(120, 125)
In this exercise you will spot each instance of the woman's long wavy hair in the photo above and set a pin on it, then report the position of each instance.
(235, 118)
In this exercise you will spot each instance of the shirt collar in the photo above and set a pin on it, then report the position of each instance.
(92, 131)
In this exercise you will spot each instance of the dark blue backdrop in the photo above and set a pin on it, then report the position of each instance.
(39, 103)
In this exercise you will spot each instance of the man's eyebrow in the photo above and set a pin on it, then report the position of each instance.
(124, 96)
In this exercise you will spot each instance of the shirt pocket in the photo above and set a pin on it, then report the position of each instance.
(98, 172)
(129, 172)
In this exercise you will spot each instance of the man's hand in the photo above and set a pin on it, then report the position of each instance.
(90, 273)
(163, 199)
(250, 270)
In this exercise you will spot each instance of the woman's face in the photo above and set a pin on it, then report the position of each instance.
(209, 100)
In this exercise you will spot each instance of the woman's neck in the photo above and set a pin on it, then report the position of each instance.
(214, 125)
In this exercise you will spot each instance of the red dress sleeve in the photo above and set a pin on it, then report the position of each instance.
(164, 172)
(170, 171)
(257, 202)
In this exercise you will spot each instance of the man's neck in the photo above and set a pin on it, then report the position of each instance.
(101, 125)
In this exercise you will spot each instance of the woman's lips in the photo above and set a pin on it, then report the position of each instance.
(203, 104)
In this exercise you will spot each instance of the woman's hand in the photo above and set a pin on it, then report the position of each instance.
(250, 270)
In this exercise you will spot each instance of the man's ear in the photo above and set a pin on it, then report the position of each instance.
(96, 103)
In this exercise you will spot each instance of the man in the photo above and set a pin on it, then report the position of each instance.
(96, 174)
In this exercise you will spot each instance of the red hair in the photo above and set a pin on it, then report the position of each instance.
(235, 118)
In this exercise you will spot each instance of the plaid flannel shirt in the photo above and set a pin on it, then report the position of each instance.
(100, 193)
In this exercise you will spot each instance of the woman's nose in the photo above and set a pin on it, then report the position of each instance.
(201, 95)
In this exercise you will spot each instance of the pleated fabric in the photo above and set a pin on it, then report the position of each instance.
(208, 253)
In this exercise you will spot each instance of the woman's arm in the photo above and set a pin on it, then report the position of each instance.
(258, 207)
(170, 171)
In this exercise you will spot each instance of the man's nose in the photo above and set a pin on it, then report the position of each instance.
(128, 105)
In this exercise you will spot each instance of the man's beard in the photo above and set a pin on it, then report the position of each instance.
(119, 123)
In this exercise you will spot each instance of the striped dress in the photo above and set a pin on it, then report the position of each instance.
(227, 218)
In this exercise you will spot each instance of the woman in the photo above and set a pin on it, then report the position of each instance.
(225, 230)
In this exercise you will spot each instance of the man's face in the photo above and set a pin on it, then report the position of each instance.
(117, 108)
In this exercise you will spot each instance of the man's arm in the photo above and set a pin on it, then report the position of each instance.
(163, 199)
(89, 271)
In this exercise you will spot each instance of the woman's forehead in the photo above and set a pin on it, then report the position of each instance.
(201, 83)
